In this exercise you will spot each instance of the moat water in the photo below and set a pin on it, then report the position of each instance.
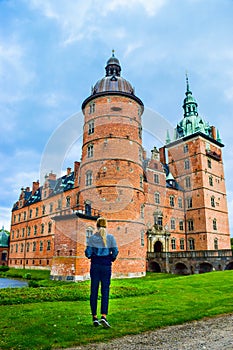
(11, 283)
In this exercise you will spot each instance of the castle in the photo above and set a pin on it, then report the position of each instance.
(167, 212)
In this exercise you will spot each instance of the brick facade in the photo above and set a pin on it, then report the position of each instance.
(171, 203)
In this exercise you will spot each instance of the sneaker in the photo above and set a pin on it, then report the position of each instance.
(104, 322)
(96, 322)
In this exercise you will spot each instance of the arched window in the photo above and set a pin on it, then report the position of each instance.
(173, 224)
(42, 228)
(215, 243)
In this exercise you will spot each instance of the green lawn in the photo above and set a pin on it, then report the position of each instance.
(57, 315)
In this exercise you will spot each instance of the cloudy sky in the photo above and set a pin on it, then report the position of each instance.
(53, 51)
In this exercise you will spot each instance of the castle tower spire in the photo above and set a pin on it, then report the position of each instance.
(190, 104)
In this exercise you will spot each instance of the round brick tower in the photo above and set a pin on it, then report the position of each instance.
(111, 172)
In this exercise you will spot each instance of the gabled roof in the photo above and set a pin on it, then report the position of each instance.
(60, 185)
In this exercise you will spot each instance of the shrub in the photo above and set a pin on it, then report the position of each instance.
(4, 268)
(27, 276)
(33, 284)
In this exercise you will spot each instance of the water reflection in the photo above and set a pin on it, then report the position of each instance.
(11, 283)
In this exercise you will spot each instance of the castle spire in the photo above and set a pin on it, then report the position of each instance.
(190, 104)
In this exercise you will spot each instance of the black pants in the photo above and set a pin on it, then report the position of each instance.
(100, 274)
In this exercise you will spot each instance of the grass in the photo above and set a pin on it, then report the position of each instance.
(136, 305)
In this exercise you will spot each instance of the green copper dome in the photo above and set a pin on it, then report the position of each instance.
(4, 239)
(191, 122)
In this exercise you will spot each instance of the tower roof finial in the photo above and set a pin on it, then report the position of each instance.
(113, 53)
(187, 81)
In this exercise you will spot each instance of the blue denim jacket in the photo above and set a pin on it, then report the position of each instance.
(98, 253)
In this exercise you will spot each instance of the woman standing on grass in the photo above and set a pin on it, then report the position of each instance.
(102, 250)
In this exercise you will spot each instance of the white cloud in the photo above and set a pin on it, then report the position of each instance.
(15, 75)
(82, 20)
(151, 7)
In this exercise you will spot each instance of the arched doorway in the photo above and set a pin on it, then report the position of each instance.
(229, 266)
(205, 267)
(154, 267)
(158, 247)
(181, 269)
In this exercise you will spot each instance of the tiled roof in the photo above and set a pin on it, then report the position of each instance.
(60, 185)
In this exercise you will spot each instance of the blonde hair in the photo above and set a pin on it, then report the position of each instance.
(101, 225)
(103, 234)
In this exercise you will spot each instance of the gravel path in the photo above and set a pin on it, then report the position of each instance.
(208, 334)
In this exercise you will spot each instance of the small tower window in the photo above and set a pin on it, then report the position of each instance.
(216, 244)
(142, 211)
(92, 108)
(186, 148)
(140, 132)
(212, 202)
(209, 163)
(90, 151)
(142, 239)
(141, 181)
(89, 178)
(157, 197)
(91, 127)
(211, 180)
(215, 224)
(186, 164)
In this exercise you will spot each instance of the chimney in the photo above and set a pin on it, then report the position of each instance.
(35, 186)
(162, 155)
(52, 176)
(76, 167)
(213, 131)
